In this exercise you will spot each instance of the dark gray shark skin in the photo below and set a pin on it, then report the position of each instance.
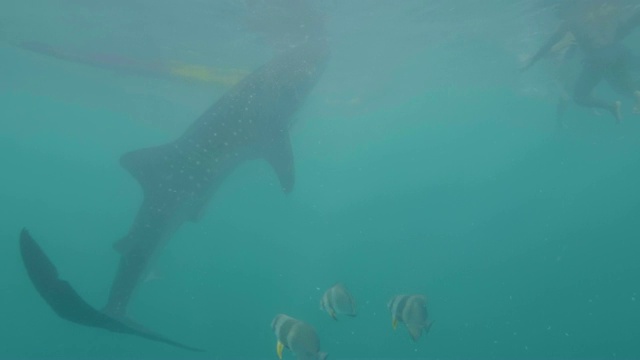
(178, 179)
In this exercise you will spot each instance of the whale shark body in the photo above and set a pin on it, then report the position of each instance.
(178, 179)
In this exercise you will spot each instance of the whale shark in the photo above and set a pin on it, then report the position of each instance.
(178, 179)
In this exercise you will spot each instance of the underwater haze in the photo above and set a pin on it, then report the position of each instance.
(425, 163)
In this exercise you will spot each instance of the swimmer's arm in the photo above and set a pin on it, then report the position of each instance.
(546, 48)
(628, 26)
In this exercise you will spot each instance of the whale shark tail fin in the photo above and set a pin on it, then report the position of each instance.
(66, 302)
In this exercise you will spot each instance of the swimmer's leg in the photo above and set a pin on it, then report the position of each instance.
(589, 78)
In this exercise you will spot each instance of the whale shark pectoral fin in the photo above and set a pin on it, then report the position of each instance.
(148, 165)
(67, 303)
(280, 155)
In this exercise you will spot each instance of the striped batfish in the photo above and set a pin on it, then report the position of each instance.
(412, 311)
(297, 336)
(337, 300)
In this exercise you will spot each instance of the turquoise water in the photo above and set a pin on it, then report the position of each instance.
(428, 170)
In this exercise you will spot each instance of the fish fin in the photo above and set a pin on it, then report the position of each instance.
(140, 330)
(279, 348)
(354, 307)
(428, 327)
(57, 293)
(415, 331)
(280, 155)
(322, 355)
(147, 165)
(154, 166)
(333, 314)
(394, 322)
(66, 302)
